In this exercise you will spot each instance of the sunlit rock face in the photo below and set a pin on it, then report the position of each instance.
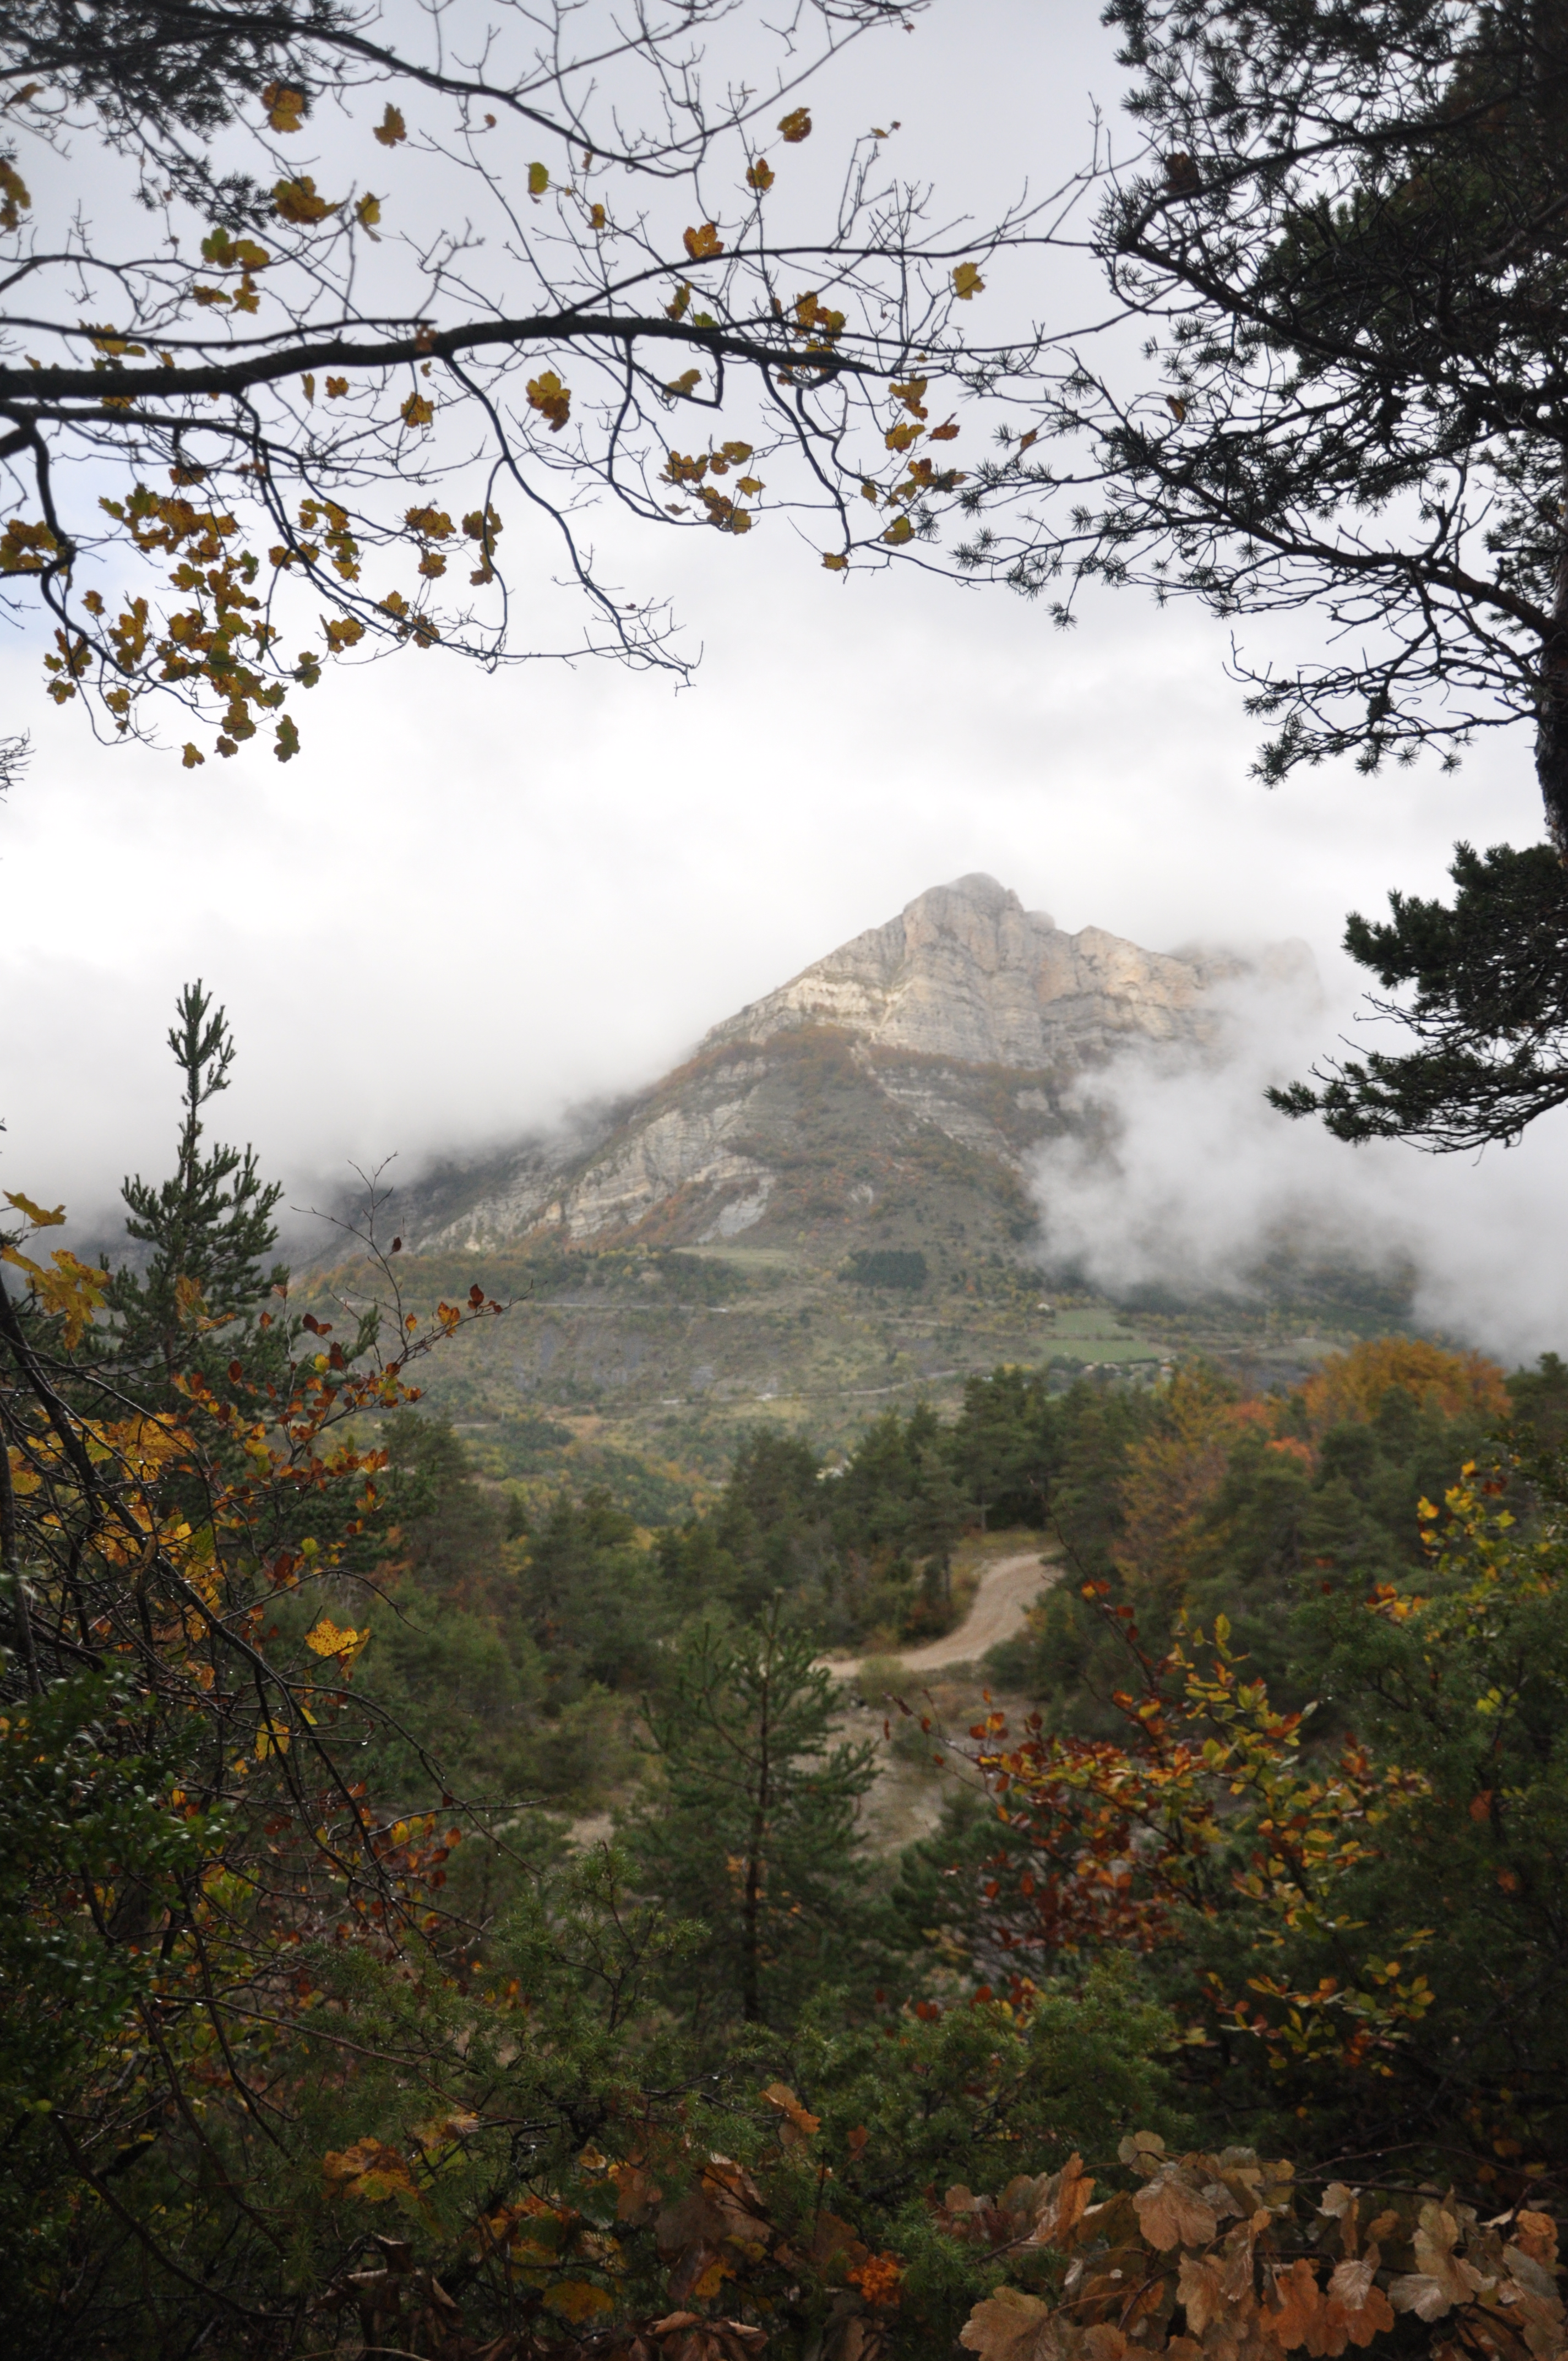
(895, 1087)
(966, 972)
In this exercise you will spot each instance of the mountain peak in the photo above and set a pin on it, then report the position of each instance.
(965, 972)
(892, 1091)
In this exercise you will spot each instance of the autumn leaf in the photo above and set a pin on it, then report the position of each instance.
(13, 197)
(1010, 2326)
(899, 531)
(759, 175)
(1177, 407)
(298, 202)
(900, 437)
(538, 180)
(372, 2170)
(703, 243)
(337, 387)
(192, 757)
(795, 126)
(391, 127)
(39, 1217)
(597, 218)
(1172, 2215)
(367, 213)
(578, 2300)
(329, 1639)
(418, 411)
(550, 398)
(684, 383)
(798, 2125)
(966, 281)
(285, 107)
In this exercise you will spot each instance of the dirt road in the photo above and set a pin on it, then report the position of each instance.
(1007, 1590)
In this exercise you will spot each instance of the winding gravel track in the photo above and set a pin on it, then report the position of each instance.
(1007, 1590)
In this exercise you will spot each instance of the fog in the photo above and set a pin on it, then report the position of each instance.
(1188, 1179)
(473, 901)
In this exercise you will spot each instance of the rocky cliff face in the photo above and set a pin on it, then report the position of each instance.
(887, 1095)
(967, 972)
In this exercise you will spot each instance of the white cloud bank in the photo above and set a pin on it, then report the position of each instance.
(1201, 1179)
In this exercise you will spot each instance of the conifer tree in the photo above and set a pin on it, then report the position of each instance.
(207, 1229)
(753, 1831)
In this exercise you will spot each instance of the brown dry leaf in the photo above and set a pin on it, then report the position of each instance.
(1300, 2316)
(637, 2194)
(1535, 2233)
(1171, 2214)
(1357, 2309)
(798, 2123)
(1200, 2290)
(1067, 2194)
(1012, 2327)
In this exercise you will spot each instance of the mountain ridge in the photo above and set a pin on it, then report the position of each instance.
(921, 1060)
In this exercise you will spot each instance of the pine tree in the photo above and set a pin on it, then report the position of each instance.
(207, 1229)
(753, 1830)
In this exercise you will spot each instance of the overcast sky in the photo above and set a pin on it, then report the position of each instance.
(470, 901)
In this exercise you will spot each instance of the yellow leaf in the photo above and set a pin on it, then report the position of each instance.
(329, 1639)
(298, 202)
(192, 757)
(598, 217)
(899, 531)
(761, 176)
(418, 411)
(834, 561)
(285, 107)
(703, 243)
(372, 2170)
(39, 1218)
(367, 213)
(684, 383)
(391, 127)
(538, 180)
(966, 281)
(578, 2300)
(550, 398)
(13, 198)
(795, 126)
(1176, 407)
(900, 437)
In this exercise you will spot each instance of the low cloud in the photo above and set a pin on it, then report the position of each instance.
(1185, 1178)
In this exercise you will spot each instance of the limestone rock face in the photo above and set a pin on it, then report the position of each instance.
(966, 972)
(896, 1084)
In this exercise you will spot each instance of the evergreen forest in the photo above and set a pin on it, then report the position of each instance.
(445, 1922)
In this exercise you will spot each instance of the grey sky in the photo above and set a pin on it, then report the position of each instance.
(470, 900)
